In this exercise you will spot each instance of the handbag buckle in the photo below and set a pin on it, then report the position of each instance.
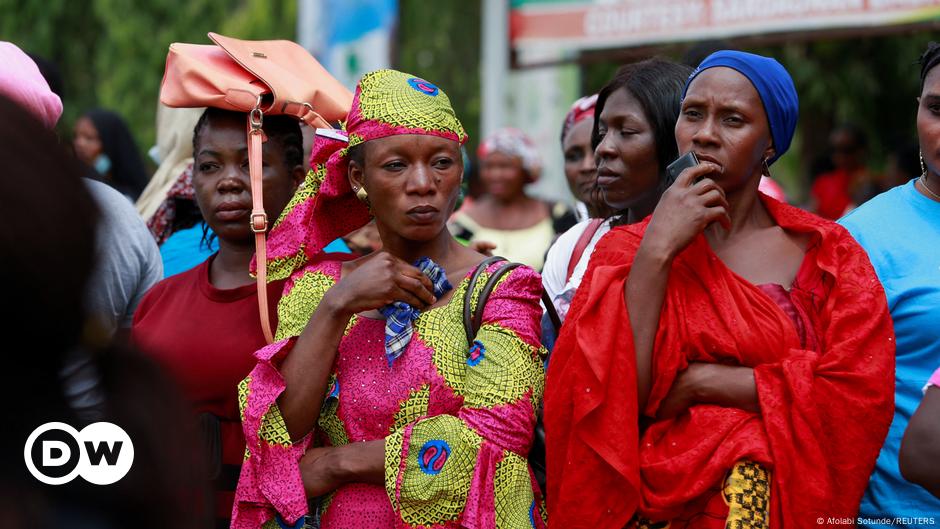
(256, 119)
(256, 116)
(259, 222)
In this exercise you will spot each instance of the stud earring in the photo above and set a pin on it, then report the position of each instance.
(361, 194)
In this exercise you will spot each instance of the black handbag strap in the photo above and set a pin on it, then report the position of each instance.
(468, 316)
(473, 319)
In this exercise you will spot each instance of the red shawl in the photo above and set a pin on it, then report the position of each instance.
(825, 411)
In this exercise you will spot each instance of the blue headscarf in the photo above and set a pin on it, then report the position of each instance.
(774, 86)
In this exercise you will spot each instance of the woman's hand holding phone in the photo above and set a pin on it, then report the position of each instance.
(690, 204)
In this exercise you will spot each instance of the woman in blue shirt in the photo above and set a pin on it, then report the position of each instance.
(900, 230)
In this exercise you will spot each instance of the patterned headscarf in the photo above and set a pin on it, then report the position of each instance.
(515, 143)
(161, 221)
(581, 109)
(386, 103)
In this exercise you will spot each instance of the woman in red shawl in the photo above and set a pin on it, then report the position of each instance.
(728, 361)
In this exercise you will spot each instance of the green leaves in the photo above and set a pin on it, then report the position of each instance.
(111, 53)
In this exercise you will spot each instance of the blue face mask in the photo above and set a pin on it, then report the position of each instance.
(102, 164)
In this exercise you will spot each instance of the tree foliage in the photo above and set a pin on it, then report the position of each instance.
(111, 53)
(441, 42)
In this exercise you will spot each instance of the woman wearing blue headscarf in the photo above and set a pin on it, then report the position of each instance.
(728, 361)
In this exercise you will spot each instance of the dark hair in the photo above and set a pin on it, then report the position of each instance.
(928, 59)
(285, 130)
(128, 174)
(51, 73)
(657, 84)
(357, 153)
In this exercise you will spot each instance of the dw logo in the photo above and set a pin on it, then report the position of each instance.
(102, 453)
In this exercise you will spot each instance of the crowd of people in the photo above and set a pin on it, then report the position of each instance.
(678, 349)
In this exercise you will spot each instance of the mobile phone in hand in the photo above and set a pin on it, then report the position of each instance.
(682, 163)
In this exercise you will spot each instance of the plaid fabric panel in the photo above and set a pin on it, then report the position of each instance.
(400, 316)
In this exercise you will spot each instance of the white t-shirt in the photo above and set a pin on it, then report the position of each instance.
(561, 292)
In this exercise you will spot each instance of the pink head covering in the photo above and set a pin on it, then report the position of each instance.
(515, 143)
(581, 109)
(386, 103)
(21, 81)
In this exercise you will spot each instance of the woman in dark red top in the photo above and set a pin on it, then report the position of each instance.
(203, 325)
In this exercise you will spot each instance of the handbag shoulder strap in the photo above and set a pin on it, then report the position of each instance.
(494, 278)
(473, 319)
(259, 219)
(468, 296)
(583, 241)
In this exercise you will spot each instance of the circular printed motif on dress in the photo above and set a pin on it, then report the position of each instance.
(433, 455)
(477, 351)
(423, 86)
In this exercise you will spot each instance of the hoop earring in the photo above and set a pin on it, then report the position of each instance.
(765, 170)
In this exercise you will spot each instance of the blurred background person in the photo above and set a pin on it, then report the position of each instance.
(51, 265)
(851, 182)
(103, 142)
(900, 230)
(580, 167)
(363, 241)
(505, 220)
(127, 262)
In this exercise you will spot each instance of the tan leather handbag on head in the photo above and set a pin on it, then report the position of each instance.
(264, 77)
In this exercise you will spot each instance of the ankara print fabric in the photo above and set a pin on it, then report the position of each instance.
(457, 420)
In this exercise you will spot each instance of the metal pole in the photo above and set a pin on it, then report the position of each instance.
(494, 64)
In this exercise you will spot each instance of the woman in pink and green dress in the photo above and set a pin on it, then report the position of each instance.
(371, 409)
